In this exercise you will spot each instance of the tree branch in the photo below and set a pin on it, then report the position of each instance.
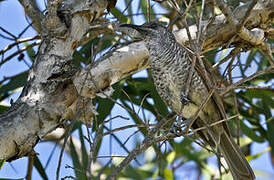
(49, 98)
(32, 10)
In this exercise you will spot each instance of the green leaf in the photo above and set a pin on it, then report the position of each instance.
(250, 133)
(155, 174)
(2, 109)
(171, 156)
(266, 95)
(211, 56)
(186, 150)
(168, 174)
(135, 117)
(264, 62)
(136, 173)
(38, 165)
(104, 108)
(250, 58)
(129, 9)
(269, 124)
(78, 59)
(30, 52)
(16, 82)
(2, 164)
(105, 105)
(137, 89)
(78, 169)
(84, 154)
(144, 7)
(255, 156)
(132, 173)
(118, 14)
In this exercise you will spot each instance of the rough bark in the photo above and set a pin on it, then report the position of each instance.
(55, 90)
(49, 98)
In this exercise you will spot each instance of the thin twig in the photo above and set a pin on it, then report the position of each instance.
(188, 82)
(178, 9)
(115, 117)
(141, 14)
(150, 140)
(266, 49)
(32, 10)
(235, 85)
(142, 102)
(90, 147)
(200, 21)
(122, 144)
(172, 136)
(255, 87)
(128, 4)
(147, 142)
(148, 10)
(111, 156)
(130, 100)
(201, 107)
(19, 52)
(78, 112)
(233, 53)
(63, 147)
(18, 41)
(135, 132)
(30, 166)
(128, 127)
(7, 32)
(235, 102)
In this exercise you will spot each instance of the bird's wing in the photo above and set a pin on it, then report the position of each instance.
(217, 100)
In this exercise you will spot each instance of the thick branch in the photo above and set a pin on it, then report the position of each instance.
(112, 68)
(49, 98)
(32, 10)
(219, 33)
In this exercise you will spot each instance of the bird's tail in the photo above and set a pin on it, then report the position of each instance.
(238, 165)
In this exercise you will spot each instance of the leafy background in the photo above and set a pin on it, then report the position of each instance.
(136, 102)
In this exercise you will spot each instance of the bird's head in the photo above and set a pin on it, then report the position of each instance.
(150, 30)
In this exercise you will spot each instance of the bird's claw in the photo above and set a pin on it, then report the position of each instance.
(184, 99)
(188, 123)
(181, 128)
(176, 129)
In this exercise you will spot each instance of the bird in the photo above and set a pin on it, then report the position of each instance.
(170, 64)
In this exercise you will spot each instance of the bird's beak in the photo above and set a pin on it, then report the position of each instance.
(136, 27)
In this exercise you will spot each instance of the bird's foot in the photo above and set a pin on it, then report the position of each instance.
(176, 129)
(178, 126)
(184, 99)
(188, 123)
(182, 128)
